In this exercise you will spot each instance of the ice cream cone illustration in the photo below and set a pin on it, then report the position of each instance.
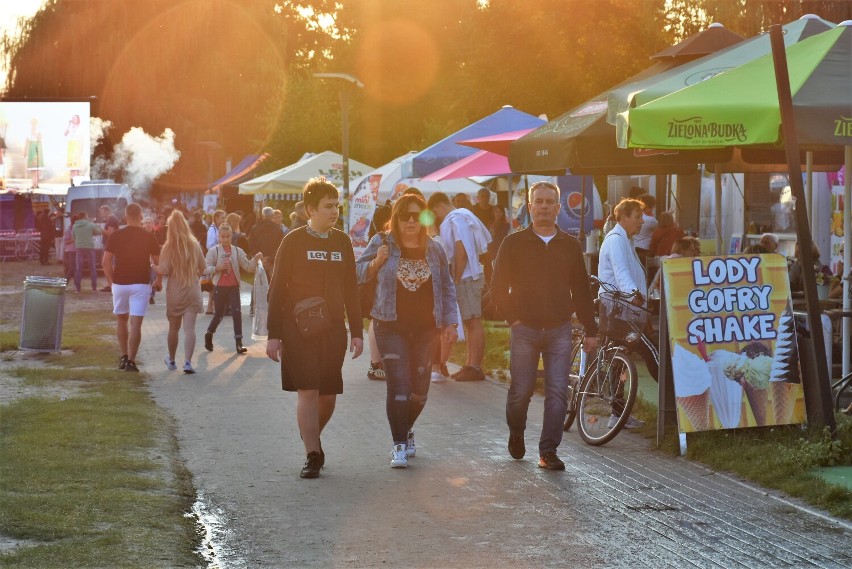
(697, 409)
(757, 399)
(692, 387)
(783, 379)
(783, 400)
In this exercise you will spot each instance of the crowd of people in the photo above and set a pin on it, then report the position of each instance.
(430, 266)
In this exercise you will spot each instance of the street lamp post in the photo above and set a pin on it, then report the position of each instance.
(345, 96)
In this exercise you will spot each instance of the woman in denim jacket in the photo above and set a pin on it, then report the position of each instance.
(415, 302)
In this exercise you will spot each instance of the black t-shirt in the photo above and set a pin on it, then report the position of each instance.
(132, 247)
(484, 215)
(415, 301)
(309, 273)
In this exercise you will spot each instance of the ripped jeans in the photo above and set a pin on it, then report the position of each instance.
(407, 359)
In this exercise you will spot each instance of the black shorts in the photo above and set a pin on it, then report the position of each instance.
(313, 364)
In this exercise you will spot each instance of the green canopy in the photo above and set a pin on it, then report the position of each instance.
(583, 141)
(740, 107)
(642, 92)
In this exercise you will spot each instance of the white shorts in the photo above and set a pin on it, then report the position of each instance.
(132, 298)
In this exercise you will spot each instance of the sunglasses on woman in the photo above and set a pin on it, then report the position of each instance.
(408, 216)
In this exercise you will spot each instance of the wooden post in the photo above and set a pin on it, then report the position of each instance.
(817, 389)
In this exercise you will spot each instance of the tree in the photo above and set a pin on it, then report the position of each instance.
(750, 17)
(210, 70)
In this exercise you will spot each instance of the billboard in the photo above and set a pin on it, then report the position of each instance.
(44, 144)
(733, 342)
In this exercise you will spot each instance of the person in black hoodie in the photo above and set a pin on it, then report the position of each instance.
(265, 237)
(199, 230)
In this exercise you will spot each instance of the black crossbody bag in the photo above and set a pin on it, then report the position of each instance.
(312, 314)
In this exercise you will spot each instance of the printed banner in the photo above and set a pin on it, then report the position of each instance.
(835, 254)
(44, 144)
(361, 209)
(733, 342)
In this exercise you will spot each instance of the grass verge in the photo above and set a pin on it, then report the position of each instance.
(90, 475)
(782, 458)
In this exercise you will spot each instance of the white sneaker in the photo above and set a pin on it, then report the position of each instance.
(438, 378)
(399, 459)
(410, 449)
(187, 368)
(632, 422)
(169, 363)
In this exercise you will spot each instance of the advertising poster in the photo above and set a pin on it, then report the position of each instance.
(361, 208)
(835, 255)
(733, 342)
(44, 144)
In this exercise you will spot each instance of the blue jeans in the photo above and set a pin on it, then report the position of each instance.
(227, 297)
(89, 255)
(407, 359)
(554, 346)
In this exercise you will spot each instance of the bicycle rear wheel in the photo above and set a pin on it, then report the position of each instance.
(575, 378)
(607, 396)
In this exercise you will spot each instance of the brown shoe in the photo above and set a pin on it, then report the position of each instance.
(549, 461)
(469, 373)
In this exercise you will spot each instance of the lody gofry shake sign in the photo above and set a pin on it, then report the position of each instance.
(732, 339)
(736, 308)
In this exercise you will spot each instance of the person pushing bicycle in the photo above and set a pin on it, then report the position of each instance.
(619, 265)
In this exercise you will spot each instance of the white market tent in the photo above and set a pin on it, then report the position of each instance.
(291, 179)
(393, 183)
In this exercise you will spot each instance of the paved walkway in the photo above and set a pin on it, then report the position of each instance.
(463, 502)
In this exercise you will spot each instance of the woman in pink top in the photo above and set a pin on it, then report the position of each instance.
(224, 262)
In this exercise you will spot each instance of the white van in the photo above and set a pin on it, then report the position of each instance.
(91, 195)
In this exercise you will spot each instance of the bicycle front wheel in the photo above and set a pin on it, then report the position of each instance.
(607, 396)
(575, 377)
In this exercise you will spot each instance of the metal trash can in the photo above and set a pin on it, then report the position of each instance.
(44, 306)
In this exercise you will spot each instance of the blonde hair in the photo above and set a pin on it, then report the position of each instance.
(233, 219)
(180, 250)
(626, 207)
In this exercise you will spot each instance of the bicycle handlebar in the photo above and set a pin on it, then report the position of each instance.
(613, 290)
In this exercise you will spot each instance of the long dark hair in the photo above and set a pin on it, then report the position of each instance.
(401, 206)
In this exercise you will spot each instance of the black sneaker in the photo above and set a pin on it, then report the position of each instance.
(469, 373)
(550, 461)
(208, 341)
(312, 465)
(131, 366)
(122, 363)
(516, 446)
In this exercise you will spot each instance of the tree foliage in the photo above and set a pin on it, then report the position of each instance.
(750, 17)
(240, 74)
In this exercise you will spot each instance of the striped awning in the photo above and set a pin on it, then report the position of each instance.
(239, 172)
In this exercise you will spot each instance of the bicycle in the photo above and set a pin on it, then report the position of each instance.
(606, 388)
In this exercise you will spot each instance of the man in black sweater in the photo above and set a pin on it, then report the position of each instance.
(320, 262)
(265, 237)
(539, 282)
